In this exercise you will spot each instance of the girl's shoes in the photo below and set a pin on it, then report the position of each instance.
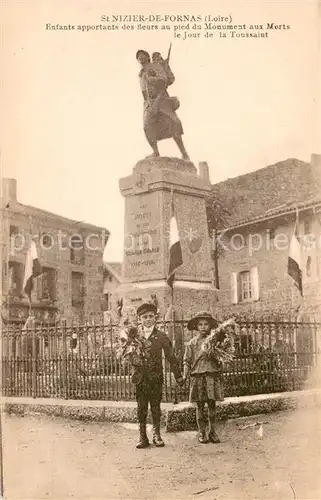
(202, 438)
(213, 437)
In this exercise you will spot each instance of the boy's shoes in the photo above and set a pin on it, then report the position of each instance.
(143, 443)
(213, 437)
(143, 439)
(158, 442)
(202, 438)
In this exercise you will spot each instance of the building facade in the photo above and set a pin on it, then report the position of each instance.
(71, 284)
(252, 243)
(252, 250)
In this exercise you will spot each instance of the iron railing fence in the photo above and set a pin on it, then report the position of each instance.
(79, 361)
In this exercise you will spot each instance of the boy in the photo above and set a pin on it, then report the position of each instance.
(206, 375)
(149, 377)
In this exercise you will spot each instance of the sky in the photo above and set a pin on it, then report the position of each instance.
(72, 105)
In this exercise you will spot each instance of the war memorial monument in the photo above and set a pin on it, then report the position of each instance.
(158, 188)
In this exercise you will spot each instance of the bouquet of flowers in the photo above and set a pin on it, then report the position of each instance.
(132, 346)
(220, 343)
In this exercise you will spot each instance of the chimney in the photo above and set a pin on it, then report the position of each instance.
(9, 190)
(204, 170)
(316, 160)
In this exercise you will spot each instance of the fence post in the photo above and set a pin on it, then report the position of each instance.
(64, 359)
(34, 361)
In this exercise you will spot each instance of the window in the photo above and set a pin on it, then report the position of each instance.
(106, 301)
(77, 254)
(47, 284)
(47, 241)
(245, 286)
(245, 289)
(77, 288)
(16, 274)
(17, 240)
(13, 230)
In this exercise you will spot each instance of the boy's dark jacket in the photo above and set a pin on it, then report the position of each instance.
(152, 368)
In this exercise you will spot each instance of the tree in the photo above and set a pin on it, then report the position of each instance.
(218, 215)
(217, 211)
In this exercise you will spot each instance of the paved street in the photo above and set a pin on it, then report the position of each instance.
(59, 459)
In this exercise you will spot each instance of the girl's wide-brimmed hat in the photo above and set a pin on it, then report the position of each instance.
(192, 324)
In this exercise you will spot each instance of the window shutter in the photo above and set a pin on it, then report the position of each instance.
(20, 277)
(234, 288)
(54, 284)
(38, 282)
(255, 283)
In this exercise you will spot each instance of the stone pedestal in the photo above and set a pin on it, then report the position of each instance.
(147, 194)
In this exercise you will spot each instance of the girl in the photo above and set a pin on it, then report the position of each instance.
(205, 372)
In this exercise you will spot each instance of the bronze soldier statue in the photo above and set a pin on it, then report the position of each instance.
(160, 118)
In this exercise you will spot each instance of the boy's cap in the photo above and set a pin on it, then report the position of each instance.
(192, 324)
(146, 307)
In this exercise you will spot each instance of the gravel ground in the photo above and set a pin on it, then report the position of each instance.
(47, 458)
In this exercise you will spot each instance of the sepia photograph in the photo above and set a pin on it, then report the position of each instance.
(160, 250)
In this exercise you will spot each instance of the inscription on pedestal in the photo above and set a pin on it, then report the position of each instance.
(142, 245)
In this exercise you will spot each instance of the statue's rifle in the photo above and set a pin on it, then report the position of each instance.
(170, 75)
(169, 53)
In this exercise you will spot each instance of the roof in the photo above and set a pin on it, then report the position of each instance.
(28, 210)
(269, 191)
(314, 204)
